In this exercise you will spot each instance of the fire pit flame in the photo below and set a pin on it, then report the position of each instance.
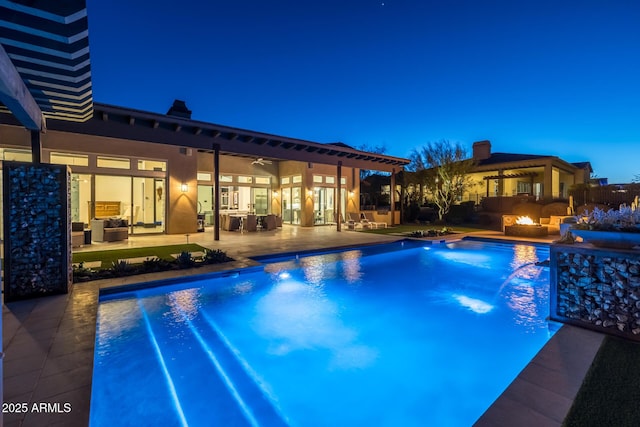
(524, 220)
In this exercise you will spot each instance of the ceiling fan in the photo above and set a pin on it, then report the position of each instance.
(260, 161)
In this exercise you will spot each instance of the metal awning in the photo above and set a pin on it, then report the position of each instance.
(47, 42)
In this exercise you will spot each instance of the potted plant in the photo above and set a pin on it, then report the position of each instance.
(613, 229)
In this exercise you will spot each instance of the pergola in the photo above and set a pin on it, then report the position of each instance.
(530, 175)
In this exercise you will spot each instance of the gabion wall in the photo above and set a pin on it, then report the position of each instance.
(596, 288)
(37, 230)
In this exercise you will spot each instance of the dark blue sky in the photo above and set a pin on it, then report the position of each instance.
(535, 77)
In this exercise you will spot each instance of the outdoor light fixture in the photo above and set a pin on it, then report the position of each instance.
(275, 193)
(309, 193)
(184, 187)
(351, 193)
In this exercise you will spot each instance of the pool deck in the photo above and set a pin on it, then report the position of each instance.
(49, 342)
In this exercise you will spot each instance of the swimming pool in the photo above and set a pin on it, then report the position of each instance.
(400, 334)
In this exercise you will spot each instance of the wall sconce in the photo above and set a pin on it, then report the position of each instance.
(309, 193)
(184, 187)
(275, 193)
(351, 194)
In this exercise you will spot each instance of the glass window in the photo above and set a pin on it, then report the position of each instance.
(285, 180)
(152, 165)
(16, 155)
(524, 187)
(343, 181)
(317, 178)
(297, 179)
(69, 159)
(245, 179)
(226, 178)
(263, 180)
(204, 176)
(113, 162)
(330, 179)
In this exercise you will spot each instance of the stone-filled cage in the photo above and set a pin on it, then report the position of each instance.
(37, 230)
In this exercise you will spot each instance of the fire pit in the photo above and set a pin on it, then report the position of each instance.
(525, 227)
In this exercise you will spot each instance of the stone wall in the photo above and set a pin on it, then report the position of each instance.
(596, 288)
(37, 230)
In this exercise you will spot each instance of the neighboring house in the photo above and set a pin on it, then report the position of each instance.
(509, 174)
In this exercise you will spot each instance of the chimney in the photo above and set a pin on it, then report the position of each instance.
(179, 109)
(481, 150)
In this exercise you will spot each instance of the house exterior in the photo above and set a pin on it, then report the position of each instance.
(510, 174)
(160, 171)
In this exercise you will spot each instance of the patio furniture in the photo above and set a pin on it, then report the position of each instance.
(553, 223)
(77, 234)
(375, 224)
(269, 222)
(251, 223)
(109, 230)
(356, 221)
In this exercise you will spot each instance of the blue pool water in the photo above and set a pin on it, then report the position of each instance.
(401, 334)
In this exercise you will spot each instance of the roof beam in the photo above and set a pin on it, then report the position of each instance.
(16, 97)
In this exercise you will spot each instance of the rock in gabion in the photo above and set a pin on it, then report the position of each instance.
(36, 230)
(598, 288)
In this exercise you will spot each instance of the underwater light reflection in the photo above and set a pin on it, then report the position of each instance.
(293, 316)
(472, 258)
(473, 304)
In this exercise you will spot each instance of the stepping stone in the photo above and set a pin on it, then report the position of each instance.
(193, 254)
(89, 264)
(138, 260)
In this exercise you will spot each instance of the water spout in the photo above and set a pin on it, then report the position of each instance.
(513, 274)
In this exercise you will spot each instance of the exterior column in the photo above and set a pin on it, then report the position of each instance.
(403, 195)
(547, 186)
(216, 194)
(339, 198)
(392, 196)
(487, 186)
(36, 147)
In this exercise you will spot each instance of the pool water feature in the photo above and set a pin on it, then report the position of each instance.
(401, 334)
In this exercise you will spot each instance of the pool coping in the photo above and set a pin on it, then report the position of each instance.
(58, 334)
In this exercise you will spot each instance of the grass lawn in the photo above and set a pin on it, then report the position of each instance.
(408, 228)
(610, 392)
(110, 256)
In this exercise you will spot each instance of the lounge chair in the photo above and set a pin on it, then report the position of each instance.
(375, 224)
(356, 221)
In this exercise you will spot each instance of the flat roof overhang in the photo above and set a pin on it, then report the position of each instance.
(128, 124)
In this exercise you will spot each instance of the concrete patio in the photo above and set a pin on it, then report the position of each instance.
(49, 342)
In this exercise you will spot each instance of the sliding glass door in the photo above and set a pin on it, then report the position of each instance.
(147, 214)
